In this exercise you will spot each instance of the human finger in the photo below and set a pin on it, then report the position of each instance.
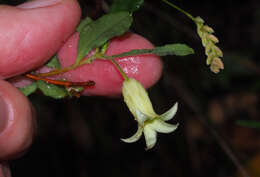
(33, 32)
(17, 124)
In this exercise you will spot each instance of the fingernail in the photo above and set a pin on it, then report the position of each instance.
(4, 170)
(38, 4)
(4, 114)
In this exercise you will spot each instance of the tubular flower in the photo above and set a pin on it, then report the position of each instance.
(149, 123)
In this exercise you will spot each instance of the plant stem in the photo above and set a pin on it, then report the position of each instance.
(119, 68)
(112, 59)
(179, 9)
(82, 62)
(62, 83)
(69, 68)
(56, 72)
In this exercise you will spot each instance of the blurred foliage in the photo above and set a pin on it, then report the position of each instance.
(75, 138)
(248, 123)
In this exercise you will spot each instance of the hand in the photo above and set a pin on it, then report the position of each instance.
(31, 34)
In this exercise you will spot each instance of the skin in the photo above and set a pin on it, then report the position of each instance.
(145, 68)
(18, 132)
(29, 42)
(22, 31)
(37, 30)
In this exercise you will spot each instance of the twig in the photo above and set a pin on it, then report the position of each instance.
(62, 83)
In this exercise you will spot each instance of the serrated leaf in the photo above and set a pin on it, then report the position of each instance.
(51, 90)
(169, 49)
(54, 63)
(250, 124)
(126, 5)
(29, 89)
(83, 23)
(98, 32)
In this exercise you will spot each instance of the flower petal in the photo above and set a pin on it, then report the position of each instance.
(170, 113)
(150, 137)
(163, 127)
(141, 117)
(136, 97)
(135, 137)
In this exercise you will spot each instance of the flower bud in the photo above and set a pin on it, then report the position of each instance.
(199, 20)
(216, 65)
(218, 51)
(213, 38)
(207, 29)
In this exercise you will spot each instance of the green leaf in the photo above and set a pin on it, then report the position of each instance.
(51, 90)
(29, 89)
(250, 124)
(169, 49)
(173, 49)
(126, 5)
(98, 32)
(84, 23)
(54, 63)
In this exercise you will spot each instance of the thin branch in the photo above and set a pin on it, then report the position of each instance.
(62, 83)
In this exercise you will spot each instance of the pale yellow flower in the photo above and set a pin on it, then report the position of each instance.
(149, 123)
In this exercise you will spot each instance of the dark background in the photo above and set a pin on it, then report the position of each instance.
(81, 137)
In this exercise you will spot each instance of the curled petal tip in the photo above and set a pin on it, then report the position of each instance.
(150, 137)
(135, 137)
(163, 127)
(170, 113)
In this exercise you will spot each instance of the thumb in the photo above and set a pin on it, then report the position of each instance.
(33, 32)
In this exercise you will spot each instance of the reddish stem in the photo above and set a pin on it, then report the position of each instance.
(63, 83)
